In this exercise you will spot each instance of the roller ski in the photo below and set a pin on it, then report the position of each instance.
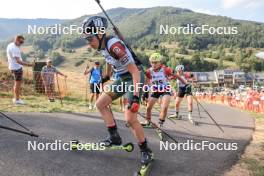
(113, 142)
(160, 134)
(147, 158)
(158, 130)
(175, 117)
(147, 124)
(194, 123)
(76, 145)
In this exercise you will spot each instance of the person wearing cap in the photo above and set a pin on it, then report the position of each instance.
(183, 89)
(15, 65)
(157, 78)
(95, 81)
(47, 75)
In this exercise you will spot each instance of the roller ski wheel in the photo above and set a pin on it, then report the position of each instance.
(74, 144)
(128, 147)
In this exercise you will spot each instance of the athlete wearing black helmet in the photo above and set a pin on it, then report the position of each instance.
(119, 59)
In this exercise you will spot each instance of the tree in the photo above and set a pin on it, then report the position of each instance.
(42, 44)
(220, 63)
(183, 50)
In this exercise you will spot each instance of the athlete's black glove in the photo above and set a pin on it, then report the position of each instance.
(105, 79)
(133, 104)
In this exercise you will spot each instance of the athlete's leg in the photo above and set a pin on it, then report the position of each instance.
(165, 102)
(190, 108)
(151, 103)
(102, 105)
(136, 127)
(177, 105)
(190, 103)
(177, 108)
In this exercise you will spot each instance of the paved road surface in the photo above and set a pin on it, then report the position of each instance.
(16, 160)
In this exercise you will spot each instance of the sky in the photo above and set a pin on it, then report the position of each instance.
(69, 9)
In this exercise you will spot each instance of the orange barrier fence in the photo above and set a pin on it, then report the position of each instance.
(252, 101)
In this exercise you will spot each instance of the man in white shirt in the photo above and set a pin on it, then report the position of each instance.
(15, 65)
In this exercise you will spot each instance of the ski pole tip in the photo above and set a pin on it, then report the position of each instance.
(33, 134)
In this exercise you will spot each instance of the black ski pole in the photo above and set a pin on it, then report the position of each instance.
(4, 115)
(156, 127)
(19, 124)
(209, 114)
(19, 131)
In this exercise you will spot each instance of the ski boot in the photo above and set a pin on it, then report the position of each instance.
(146, 160)
(161, 122)
(113, 139)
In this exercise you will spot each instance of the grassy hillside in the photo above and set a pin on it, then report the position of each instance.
(141, 28)
(143, 25)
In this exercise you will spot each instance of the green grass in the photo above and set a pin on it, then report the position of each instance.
(257, 116)
(41, 104)
(254, 166)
